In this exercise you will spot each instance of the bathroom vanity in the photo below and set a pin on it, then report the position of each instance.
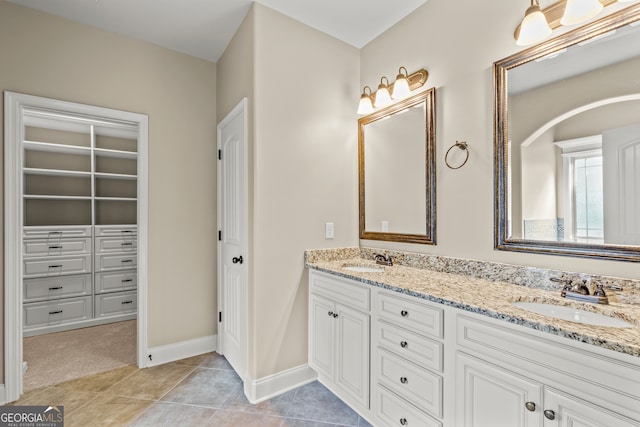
(408, 346)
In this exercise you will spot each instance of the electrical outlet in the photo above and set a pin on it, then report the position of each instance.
(384, 226)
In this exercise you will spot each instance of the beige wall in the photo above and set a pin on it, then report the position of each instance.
(458, 50)
(52, 57)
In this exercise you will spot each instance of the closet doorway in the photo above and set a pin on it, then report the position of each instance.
(75, 224)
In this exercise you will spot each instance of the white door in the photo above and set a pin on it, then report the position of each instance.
(232, 238)
(563, 410)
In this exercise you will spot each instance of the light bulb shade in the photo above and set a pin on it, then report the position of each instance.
(534, 27)
(401, 88)
(365, 106)
(383, 98)
(578, 11)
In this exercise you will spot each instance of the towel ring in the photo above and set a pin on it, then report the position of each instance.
(461, 145)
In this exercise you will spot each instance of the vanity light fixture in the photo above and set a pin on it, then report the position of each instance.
(383, 97)
(401, 88)
(538, 24)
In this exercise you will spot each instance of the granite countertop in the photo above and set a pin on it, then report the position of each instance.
(494, 299)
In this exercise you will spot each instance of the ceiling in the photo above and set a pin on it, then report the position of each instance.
(203, 28)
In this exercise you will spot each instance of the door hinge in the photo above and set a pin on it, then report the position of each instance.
(219, 316)
(220, 235)
(219, 154)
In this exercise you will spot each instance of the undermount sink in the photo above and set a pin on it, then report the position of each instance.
(573, 314)
(364, 268)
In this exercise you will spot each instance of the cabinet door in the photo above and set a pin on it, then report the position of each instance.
(352, 362)
(321, 335)
(487, 395)
(563, 410)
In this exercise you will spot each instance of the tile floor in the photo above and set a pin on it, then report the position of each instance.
(199, 391)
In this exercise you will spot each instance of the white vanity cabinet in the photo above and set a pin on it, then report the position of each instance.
(339, 334)
(516, 378)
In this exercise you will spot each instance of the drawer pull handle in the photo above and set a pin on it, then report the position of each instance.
(55, 247)
(127, 231)
(55, 312)
(530, 406)
(335, 315)
(404, 313)
(403, 421)
(127, 280)
(55, 232)
(549, 414)
(127, 302)
(126, 244)
(126, 260)
(404, 344)
(55, 266)
(55, 288)
(330, 313)
(404, 380)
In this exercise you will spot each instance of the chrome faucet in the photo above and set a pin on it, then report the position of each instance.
(579, 291)
(383, 260)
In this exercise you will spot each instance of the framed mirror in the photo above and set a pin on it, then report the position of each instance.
(396, 165)
(567, 143)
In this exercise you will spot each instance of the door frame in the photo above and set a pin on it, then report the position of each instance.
(14, 104)
(240, 108)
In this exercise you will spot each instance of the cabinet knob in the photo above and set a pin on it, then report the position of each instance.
(237, 260)
(330, 313)
(404, 313)
(335, 315)
(530, 406)
(549, 414)
(403, 421)
(404, 380)
(404, 344)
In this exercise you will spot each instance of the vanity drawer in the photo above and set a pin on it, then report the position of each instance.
(410, 313)
(393, 411)
(53, 247)
(416, 385)
(116, 231)
(107, 262)
(55, 313)
(55, 266)
(116, 244)
(48, 288)
(116, 281)
(344, 291)
(415, 348)
(55, 232)
(116, 304)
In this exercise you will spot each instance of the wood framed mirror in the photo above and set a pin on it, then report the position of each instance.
(396, 164)
(567, 143)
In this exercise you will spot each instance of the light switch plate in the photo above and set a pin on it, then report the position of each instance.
(328, 230)
(384, 226)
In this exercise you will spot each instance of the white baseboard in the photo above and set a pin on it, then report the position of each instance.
(181, 350)
(265, 388)
(3, 395)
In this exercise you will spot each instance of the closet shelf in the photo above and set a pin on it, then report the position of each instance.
(115, 176)
(56, 148)
(56, 172)
(50, 197)
(104, 152)
(117, 199)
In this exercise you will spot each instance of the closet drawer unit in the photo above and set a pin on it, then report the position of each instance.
(49, 288)
(414, 348)
(56, 232)
(56, 312)
(53, 247)
(411, 313)
(392, 411)
(109, 262)
(116, 281)
(55, 266)
(412, 383)
(116, 244)
(116, 231)
(116, 304)
(346, 292)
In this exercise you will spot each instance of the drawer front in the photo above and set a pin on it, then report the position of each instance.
(116, 281)
(411, 313)
(53, 247)
(115, 304)
(118, 231)
(116, 244)
(55, 266)
(56, 232)
(416, 385)
(393, 411)
(48, 288)
(415, 348)
(107, 262)
(55, 313)
(344, 290)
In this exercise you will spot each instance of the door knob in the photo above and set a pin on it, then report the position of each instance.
(549, 414)
(237, 260)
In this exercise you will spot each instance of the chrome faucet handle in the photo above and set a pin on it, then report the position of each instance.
(580, 287)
